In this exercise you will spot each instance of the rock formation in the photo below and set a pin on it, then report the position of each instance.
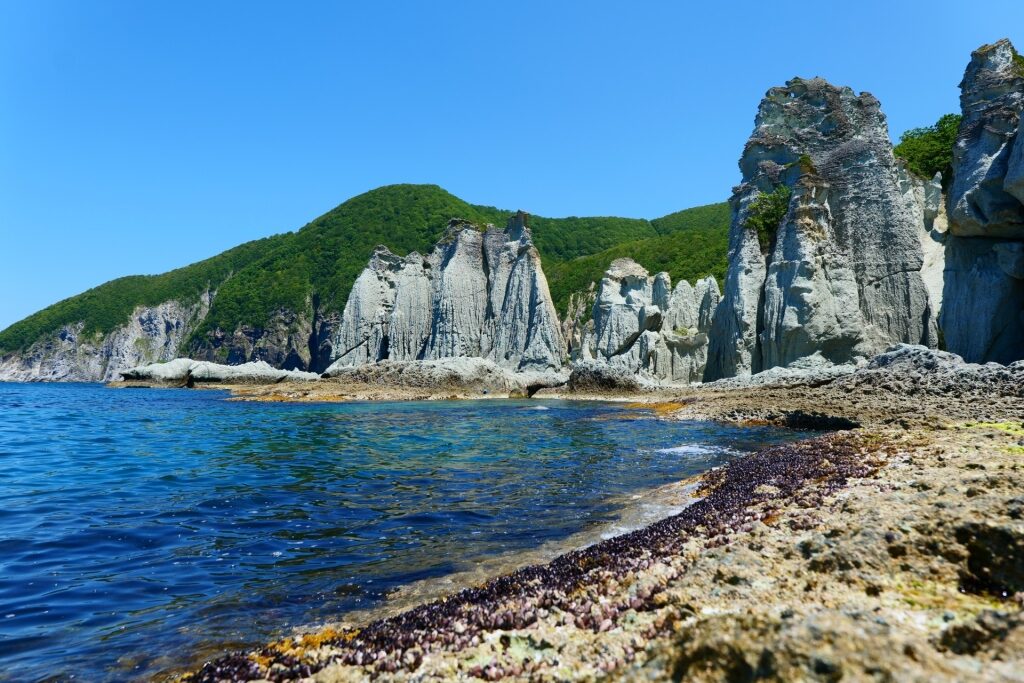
(928, 205)
(983, 309)
(187, 371)
(641, 324)
(578, 323)
(836, 274)
(478, 295)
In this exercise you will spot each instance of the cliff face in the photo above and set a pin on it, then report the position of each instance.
(152, 334)
(286, 341)
(983, 297)
(158, 334)
(478, 294)
(641, 324)
(839, 278)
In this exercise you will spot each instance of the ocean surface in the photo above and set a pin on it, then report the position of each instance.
(141, 530)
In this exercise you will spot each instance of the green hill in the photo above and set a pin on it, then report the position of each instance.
(689, 245)
(316, 265)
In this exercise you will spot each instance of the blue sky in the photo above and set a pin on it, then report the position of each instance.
(140, 136)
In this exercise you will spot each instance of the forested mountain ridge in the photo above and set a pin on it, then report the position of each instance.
(270, 298)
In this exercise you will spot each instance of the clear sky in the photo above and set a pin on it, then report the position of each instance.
(140, 136)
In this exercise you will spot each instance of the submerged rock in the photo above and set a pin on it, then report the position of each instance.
(477, 295)
(187, 371)
(642, 325)
(825, 255)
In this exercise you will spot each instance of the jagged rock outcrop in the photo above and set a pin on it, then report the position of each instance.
(478, 295)
(152, 334)
(928, 205)
(983, 296)
(641, 324)
(841, 275)
(988, 159)
(187, 371)
(578, 323)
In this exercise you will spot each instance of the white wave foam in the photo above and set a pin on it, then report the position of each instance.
(690, 449)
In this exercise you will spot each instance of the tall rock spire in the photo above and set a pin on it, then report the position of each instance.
(983, 294)
(824, 253)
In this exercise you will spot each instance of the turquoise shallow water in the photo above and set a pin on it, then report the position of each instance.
(141, 527)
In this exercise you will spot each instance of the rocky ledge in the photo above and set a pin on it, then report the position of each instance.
(892, 550)
(186, 372)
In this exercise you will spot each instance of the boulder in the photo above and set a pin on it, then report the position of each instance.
(590, 376)
(840, 274)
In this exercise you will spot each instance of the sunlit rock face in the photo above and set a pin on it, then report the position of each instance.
(838, 277)
(642, 325)
(986, 196)
(478, 294)
(983, 294)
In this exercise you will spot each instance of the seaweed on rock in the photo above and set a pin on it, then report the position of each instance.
(733, 497)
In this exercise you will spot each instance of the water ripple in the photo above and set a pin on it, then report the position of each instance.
(140, 527)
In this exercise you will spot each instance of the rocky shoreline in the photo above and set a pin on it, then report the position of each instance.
(890, 550)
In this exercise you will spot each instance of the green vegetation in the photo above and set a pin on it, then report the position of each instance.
(325, 257)
(317, 265)
(766, 212)
(558, 239)
(691, 244)
(1018, 62)
(929, 150)
(108, 306)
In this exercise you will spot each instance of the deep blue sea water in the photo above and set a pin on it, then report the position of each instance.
(141, 527)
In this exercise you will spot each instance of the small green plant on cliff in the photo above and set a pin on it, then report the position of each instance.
(766, 212)
(930, 149)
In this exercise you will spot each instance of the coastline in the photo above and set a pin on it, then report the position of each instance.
(901, 537)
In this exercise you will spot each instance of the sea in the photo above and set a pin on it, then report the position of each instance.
(143, 531)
